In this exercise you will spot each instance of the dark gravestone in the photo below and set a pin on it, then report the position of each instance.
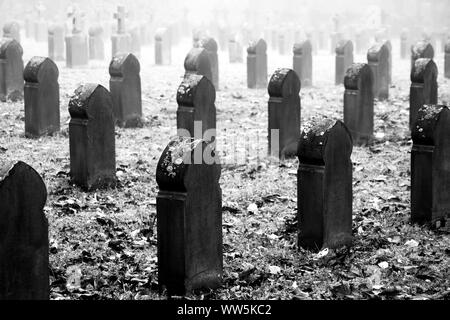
(196, 97)
(421, 49)
(235, 50)
(424, 88)
(11, 70)
(125, 86)
(163, 47)
(325, 194)
(121, 41)
(96, 43)
(41, 97)
(404, 44)
(430, 166)
(378, 59)
(344, 59)
(24, 267)
(210, 45)
(92, 138)
(56, 42)
(257, 65)
(284, 113)
(358, 103)
(303, 62)
(447, 60)
(77, 46)
(12, 30)
(197, 62)
(189, 219)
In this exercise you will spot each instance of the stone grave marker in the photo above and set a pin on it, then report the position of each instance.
(404, 44)
(163, 47)
(344, 59)
(12, 30)
(421, 49)
(210, 45)
(303, 62)
(121, 41)
(56, 42)
(378, 59)
(336, 38)
(447, 60)
(197, 62)
(96, 43)
(235, 50)
(40, 25)
(11, 70)
(257, 65)
(135, 41)
(77, 46)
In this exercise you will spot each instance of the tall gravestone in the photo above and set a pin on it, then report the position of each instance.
(344, 59)
(12, 30)
(96, 43)
(421, 49)
(325, 194)
(378, 59)
(121, 41)
(11, 70)
(284, 113)
(189, 218)
(56, 42)
(430, 166)
(125, 86)
(24, 267)
(257, 65)
(303, 62)
(447, 60)
(163, 47)
(210, 45)
(77, 46)
(92, 138)
(42, 115)
(235, 50)
(424, 88)
(197, 62)
(359, 102)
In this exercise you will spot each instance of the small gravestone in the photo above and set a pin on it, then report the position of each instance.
(12, 30)
(421, 49)
(358, 103)
(235, 50)
(303, 62)
(11, 70)
(378, 59)
(430, 174)
(96, 43)
(41, 97)
(284, 113)
(196, 97)
(325, 192)
(189, 218)
(404, 44)
(424, 87)
(197, 62)
(210, 45)
(257, 65)
(77, 46)
(163, 47)
(24, 267)
(447, 60)
(56, 42)
(121, 41)
(92, 138)
(344, 59)
(125, 86)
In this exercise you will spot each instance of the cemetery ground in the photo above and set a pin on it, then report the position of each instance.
(103, 244)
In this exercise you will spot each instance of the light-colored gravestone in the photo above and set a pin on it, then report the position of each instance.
(96, 43)
(378, 59)
(421, 49)
(197, 62)
(121, 41)
(303, 62)
(56, 37)
(163, 47)
(77, 46)
(235, 50)
(405, 44)
(11, 70)
(135, 41)
(257, 65)
(447, 60)
(125, 87)
(40, 25)
(344, 59)
(12, 30)
(42, 116)
(210, 45)
(24, 267)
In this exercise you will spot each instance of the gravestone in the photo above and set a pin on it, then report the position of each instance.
(197, 62)
(189, 218)
(135, 41)
(344, 59)
(235, 50)
(210, 45)
(378, 59)
(404, 44)
(56, 42)
(11, 70)
(77, 46)
(41, 97)
(284, 113)
(336, 38)
(388, 45)
(92, 138)
(430, 166)
(125, 86)
(196, 97)
(303, 62)
(163, 47)
(359, 102)
(447, 60)
(424, 87)
(96, 43)
(121, 41)
(24, 267)
(325, 192)
(421, 49)
(12, 30)
(257, 65)
(282, 44)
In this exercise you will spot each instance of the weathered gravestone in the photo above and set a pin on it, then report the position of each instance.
(325, 194)
(125, 86)
(344, 59)
(303, 62)
(284, 113)
(189, 218)
(24, 267)
(41, 97)
(235, 50)
(378, 59)
(404, 44)
(12, 30)
(447, 60)
(358, 103)
(11, 70)
(92, 138)
(421, 49)
(197, 62)
(56, 42)
(163, 47)
(77, 46)
(424, 88)
(121, 41)
(210, 45)
(257, 65)
(96, 43)
(430, 166)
